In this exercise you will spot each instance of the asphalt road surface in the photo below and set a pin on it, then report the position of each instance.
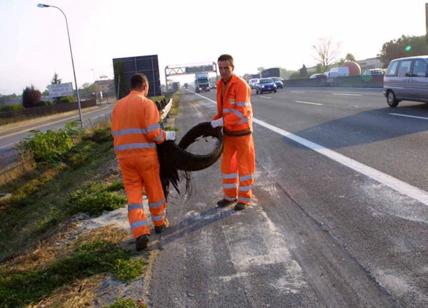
(10, 136)
(341, 218)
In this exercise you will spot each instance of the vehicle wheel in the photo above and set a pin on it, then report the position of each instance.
(274, 91)
(391, 99)
(257, 91)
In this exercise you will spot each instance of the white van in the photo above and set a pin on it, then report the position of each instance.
(406, 79)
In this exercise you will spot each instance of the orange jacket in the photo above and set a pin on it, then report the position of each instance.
(135, 126)
(234, 106)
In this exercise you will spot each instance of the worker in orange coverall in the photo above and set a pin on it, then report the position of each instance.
(136, 131)
(235, 114)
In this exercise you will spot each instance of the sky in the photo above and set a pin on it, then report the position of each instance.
(275, 33)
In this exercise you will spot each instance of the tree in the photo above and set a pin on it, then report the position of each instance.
(350, 57)
(260, 69)
(405, 46)
(55, 79)
(303, 72)
(31, 97)
(325, 52)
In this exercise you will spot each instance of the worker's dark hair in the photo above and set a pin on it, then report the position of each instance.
(138, 81)
(226, 57)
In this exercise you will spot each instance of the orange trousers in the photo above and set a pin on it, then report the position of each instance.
(142, 173)
(238, 166)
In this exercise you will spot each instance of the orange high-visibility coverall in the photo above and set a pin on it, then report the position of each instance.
(136, 130)
(239, 159)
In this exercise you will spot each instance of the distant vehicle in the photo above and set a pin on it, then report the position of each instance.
(318, 76)
(265, 85)
(202, 83)
(406, 79)
(374, 72)
(253, 82)
(278, 82)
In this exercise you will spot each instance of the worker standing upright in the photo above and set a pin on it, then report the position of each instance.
(234, 113)
(136, 131)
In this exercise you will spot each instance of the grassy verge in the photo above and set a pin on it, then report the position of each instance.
(45, 260)
(41, 200)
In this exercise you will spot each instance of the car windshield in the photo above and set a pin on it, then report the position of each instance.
(266, 80)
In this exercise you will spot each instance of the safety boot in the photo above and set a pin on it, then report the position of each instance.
(225, 202)
(240, 206)
(141, 242)
(159, 229)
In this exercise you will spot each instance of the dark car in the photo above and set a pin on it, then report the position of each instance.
(278, 82)
(265, 85)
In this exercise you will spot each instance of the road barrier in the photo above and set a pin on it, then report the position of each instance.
(14, 116)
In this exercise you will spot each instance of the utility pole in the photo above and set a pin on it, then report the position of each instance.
(426, 21)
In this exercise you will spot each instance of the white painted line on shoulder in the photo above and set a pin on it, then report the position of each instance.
(267, 97)
(408, 116)
(7, 145)
(347, 94)
(309, 103)
(383, 178)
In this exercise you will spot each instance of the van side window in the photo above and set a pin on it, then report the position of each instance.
(420, 68)
(404, 68)
(392, 69)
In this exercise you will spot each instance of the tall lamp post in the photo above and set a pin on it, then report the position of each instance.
(41, 5)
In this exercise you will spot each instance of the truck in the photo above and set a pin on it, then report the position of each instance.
(202, 83)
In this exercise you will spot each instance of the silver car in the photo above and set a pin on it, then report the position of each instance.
(406, 79)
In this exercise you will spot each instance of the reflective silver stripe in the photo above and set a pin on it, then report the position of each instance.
(159, 138)
(130, 131)
(138, 224)
(241, 199)
(245, 188)
(158, 218)
(229, 198)
(154, 205)
(230, 175)
(152, 128)
(225, 110)
(245, 178)
(243, 104)
(127, 131)
(131, 146)
(230, 186)
(134, 207)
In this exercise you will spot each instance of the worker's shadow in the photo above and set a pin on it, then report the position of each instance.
(194, 222)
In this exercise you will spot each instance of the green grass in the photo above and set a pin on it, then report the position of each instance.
(126, 303)
(20, 288)
(96, 198)
(39, 200)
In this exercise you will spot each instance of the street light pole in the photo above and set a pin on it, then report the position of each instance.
(40, 5)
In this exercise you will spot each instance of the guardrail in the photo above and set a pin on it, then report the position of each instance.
(13, 116)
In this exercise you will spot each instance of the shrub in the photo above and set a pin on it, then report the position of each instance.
(65, 100)
(50, 146)
(31, 97)
(10, 108)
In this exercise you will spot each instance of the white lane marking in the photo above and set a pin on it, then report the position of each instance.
(309, 103)
(294, 91)
(408, 116)
(383, 178)
(347, 94)
(50, 123)
(267, 97)
(8, 144)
